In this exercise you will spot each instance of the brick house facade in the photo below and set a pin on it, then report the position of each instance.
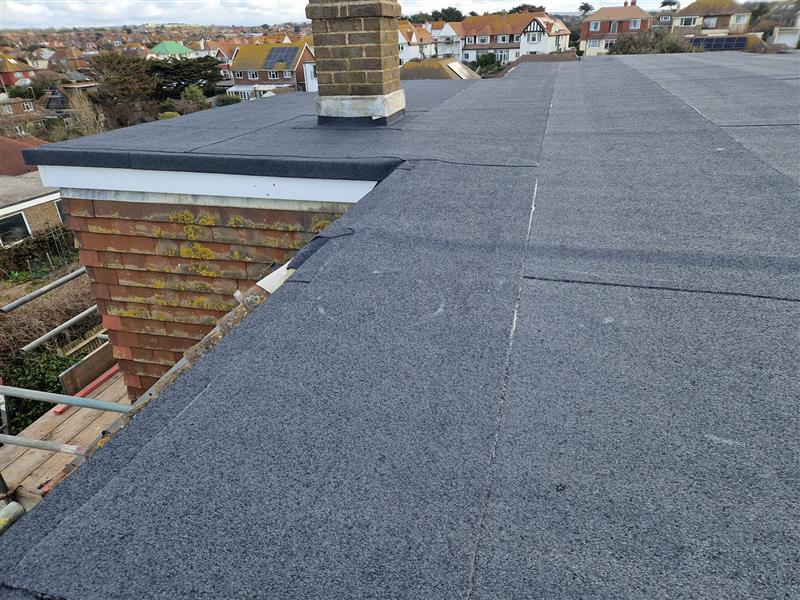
(600, 29)
(262, 68)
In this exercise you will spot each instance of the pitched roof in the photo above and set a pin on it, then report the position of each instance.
(170, 48)
(406, 29)
(261, 57)
(11, 162)
(9, 64)
(618, 13)
(705, 8)
(504, 24)
(552, 25)
(423, 35)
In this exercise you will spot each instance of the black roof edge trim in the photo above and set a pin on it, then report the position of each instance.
(367, 169)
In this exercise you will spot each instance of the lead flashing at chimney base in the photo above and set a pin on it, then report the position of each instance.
(357, 60)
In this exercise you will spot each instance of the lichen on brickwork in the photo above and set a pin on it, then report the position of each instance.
(192, 232)
(196, 250)
(199, 269)
(206, 219)
(183, 216)
(98, 229)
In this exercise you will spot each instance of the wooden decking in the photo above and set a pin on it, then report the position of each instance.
(32, 469)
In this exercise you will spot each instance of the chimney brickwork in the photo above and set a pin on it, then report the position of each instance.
(164, 274)
(357, 58)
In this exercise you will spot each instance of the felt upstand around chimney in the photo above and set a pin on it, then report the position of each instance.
(164, 274)
(357, 60)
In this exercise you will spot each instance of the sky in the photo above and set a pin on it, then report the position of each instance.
(15, 14)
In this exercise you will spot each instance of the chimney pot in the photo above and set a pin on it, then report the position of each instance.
(358, 60)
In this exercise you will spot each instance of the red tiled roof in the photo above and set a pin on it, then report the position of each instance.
(11, 161)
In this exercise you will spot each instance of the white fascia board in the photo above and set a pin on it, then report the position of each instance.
(19, 206)
(206, 184)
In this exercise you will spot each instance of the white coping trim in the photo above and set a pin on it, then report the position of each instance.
(222, 185)
(20, 206)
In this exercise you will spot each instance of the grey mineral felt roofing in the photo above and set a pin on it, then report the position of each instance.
(556, 357)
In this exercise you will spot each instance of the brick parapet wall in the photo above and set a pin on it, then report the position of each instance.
(164, 275)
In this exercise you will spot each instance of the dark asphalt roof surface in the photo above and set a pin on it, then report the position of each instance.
(569, 371)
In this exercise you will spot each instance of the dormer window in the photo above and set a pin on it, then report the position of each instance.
(502, 39)
(470, 40)
(709, 22)
(27, 106)
(687, 21)
(252, 74)
(483, 39)
(739, 19)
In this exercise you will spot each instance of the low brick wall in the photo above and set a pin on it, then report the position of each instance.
(164, 274)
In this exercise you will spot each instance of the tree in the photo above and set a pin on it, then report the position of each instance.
(587, 8)
(758, 11)
(487, 60)
(669, 3)
(125, 88)
(527, 8)
(472, 13)
(172, 75)
(448, 14)
(85, 118)
(419, 17)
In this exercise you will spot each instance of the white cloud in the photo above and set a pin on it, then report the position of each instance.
(84, 13)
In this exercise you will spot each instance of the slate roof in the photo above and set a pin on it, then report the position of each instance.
(553, 354)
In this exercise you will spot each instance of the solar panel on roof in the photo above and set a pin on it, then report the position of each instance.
(280, 55)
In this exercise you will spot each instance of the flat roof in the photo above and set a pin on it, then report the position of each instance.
(556, 357)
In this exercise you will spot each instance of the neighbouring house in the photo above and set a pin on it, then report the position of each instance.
(20, 117)
(224, 54)
(437, 68)
(26, 206)
(135, 49)
(264, 69)
(39, 58)
(14, 71)
(164, 50)
(711, 18)
(662, 20)
(600, 29)
(414, 42)
(509, 36)
(67, 59)
(202, 47)
(787, 35)
(448, 37)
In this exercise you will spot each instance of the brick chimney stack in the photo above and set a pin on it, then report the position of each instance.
(358, 61)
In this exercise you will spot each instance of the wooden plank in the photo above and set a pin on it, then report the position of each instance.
(36, 467)
(38, 430)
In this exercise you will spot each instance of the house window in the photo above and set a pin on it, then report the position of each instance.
(594, 43)
(739, 19)
(7, 110)
(238, 75)
(533, 38)
(20, 130)
(13, 229)
(272, 74)
(594, 25)
(607, 44)
(27, 106)
(483, 39)
(252, 74)
(287, 74)
(709, 22)
(664, 18)
(470, 40)
(516, 37)
(614, 27)
(502, 39)
(687, 21)
(636, 23)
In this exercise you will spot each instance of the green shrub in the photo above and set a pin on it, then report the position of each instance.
(37, 371)
(31, 253)
(168, 115)
(487, 60)
(225, 100)
(193, 93)
(651, 41)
